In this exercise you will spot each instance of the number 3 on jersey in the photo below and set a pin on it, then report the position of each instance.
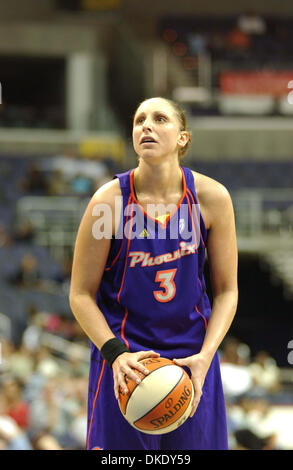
(165, 278)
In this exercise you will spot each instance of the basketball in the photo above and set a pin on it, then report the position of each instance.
(162, 401)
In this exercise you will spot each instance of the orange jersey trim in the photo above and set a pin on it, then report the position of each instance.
(203, 317)
(191, 195)
(123, 327)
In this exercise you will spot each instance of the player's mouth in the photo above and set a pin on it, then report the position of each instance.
(147, 140)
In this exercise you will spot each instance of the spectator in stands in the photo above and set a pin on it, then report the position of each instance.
(248, 440)
(45, 441)
(81, 185)
(23, 231)
(14, 404)
(74, 406)
(235, 373)
(67, 329)
(32, 334)
(79, 335)
(35, 182)
(197, 42)
(77, 367)
(240, 415)
(216, 44)
(265, 373)
(52, 323)
(53, 410)
(21, 363)
(253, 415)
(57, 184)
(251, 23)
(46, 364)
(231, 352)
(28, 275)
(92, 168)
(254, 26)
(71, 165)
(67, 163)
(238, 40)
(7, 349)
(12, 437)
(5, 238)
(45, 411)
(63, 277)
(78, 426)
(36, 382)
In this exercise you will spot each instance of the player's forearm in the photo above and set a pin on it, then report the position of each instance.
(90, 318)
(222, 314)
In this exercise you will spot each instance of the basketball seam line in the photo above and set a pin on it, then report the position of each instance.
(136, 385)
(170, 391)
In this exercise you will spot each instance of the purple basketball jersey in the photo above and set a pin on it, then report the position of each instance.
(153, 296)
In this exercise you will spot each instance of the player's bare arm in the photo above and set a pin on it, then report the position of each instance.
(218, 214)
(90, 257)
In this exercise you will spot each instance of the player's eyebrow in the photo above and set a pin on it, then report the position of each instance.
(138, 116)
(154, 113)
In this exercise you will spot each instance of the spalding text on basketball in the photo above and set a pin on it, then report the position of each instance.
(158, 422)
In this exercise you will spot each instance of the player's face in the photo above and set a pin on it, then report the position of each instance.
(156, 129)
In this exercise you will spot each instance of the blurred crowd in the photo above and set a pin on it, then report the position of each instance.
(43, 391)
(66, 174)
(249, 36)
(254, 393)
(44, 354)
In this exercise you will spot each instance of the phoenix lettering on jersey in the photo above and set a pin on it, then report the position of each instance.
(145, 259)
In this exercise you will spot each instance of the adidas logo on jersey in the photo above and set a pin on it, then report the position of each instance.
(144, 234)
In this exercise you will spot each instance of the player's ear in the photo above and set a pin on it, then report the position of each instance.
(183, 138)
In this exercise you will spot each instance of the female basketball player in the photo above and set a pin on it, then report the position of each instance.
(144, 295)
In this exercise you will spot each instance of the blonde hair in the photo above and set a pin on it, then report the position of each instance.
(181, 118)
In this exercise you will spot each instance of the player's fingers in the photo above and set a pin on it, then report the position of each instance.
(135, 365)
(132, 373)
(182, 362)
(121, 382)
(196, 398)
(145, 354)
(139, 367)
(194, 408)
(116, 388)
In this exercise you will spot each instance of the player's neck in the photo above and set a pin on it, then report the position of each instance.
(160, 180)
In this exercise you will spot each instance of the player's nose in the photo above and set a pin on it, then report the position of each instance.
(147, 124)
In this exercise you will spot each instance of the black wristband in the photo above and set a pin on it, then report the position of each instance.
(112, 349)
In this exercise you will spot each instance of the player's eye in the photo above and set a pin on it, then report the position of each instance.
(161, 118)
(139, 120)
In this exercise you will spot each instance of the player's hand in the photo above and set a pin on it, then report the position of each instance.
(126, 364)
(198, 365)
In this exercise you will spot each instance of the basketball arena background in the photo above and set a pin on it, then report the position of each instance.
(71, 74)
